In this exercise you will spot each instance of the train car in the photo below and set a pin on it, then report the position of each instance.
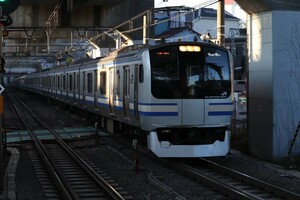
(178, 95)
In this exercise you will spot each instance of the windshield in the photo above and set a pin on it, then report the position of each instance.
(190, 72)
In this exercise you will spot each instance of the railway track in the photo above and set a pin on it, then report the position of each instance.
(231, 183)
(72, 176)
(227, 182)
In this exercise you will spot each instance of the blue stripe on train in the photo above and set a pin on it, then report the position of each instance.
(224, 103)
(158, 113)
(220, 113)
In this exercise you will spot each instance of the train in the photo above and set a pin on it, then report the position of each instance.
(178, 96)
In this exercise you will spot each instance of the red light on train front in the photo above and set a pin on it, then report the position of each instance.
(189, 48)
(163, 53)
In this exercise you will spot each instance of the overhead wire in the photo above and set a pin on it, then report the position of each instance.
(202, 5)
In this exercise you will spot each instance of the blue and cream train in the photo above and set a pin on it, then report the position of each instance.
(179, 95)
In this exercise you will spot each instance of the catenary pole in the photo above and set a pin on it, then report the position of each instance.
(221, 23)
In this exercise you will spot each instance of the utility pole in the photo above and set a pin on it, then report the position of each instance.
(144, 29)
(221, 23)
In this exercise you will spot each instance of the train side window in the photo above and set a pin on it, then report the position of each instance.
(96, 81)
(89, 83)
(74, 81)
(70, 82)
(64, 82)
(141, 73)
(61, 82)
(58, 82)
(118, 82)
(67, 82)
(78, 81)
(53, 82)
(48, 81)
(102, 82)
(126, 81)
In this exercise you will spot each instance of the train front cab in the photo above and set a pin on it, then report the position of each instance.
(194, 89)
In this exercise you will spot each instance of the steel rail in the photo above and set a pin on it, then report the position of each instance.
(98, 179)
(95, 176)
(283, 193)
(205, 176)
(213, 183)
(41, 151)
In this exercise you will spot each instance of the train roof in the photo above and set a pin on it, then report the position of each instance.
(186, 43)
(136, 48)
(127, 52)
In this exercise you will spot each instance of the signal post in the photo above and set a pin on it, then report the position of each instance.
(1, 111)
(6, 7)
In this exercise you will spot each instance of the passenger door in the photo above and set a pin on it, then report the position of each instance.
(74, 88)
(96, 89)
(193, 102)
(126, 91)
(84, 88)
(136, 89)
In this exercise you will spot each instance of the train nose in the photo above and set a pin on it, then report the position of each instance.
(193, 112)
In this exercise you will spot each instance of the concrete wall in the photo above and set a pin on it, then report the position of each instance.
(274, 89)
(31, 35)
(86, 16)
(286, 76)
(115, 15)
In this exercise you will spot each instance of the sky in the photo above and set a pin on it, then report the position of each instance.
(190, 3)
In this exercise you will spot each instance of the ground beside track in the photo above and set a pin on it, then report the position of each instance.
(118, 163)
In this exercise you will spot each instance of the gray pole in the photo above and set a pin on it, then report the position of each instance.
(144, 29)
(221, 24)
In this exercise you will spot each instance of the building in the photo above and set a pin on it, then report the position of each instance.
(178, 34)
(204, 20)
(170, 17)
